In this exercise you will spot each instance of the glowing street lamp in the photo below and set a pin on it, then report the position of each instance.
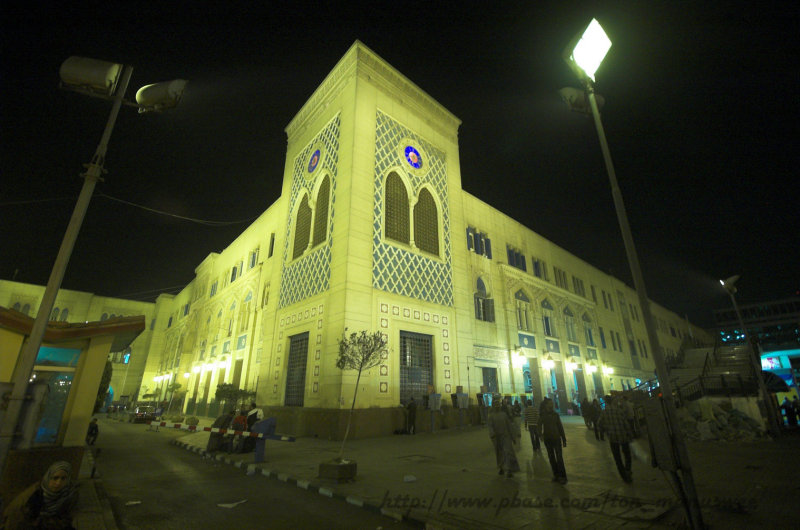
(584, 56)
(772, 420)
(104, 80)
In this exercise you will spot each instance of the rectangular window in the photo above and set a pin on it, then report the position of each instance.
(577, 285)
(271, 244)
(516, 259)
(602, 337)
(416, 365)
(619, 341)
(479, 243)
(589, 335)
(539, 268)
(213, 289)
(594, 295)
(547, 324)
(613, 340)
(296, 370)
(561, 278)
(185, 309)
(253, 259)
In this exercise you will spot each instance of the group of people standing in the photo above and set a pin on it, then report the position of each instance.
(544, 426)
(242, 421)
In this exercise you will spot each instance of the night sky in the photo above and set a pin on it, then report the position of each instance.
(701, 117)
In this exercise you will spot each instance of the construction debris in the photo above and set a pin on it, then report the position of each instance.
(705, 420)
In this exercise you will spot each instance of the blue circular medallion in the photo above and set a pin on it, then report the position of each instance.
(413, 157)
(313, 161)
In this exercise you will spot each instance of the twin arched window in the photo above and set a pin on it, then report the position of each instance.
(305, 216)
(425, 235)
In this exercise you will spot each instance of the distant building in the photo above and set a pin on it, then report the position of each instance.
(374, 232)
(74, 307)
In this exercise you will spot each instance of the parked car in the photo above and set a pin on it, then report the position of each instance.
(142, 414)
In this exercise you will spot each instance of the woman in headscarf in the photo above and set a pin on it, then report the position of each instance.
(44, 505)
(501, 432)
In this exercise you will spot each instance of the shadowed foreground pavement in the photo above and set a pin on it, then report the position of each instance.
(448, 479)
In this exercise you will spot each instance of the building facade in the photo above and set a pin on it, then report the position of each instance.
(374, 232)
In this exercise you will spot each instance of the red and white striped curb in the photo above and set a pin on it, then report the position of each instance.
(245, 434)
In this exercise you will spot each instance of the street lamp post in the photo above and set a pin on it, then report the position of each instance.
(772, 423)
(108, 81)
(584, 56)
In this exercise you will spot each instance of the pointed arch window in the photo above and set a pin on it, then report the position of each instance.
(397, 216)
(569, 321)
(426, 223)
(484, 306)
(302, 228)
(321, 212)
(523, 304)
(588, 330)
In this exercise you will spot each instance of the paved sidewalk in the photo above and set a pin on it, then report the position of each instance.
(448, 479)
(93, 511)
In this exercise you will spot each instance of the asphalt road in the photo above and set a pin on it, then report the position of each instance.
(153, 484)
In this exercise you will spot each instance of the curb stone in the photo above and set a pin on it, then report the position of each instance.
(306, 485)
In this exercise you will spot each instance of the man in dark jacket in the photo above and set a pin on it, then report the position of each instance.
(615, 424)
(553, 435)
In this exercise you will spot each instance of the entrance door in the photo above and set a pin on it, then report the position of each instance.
(561, 401)
(416, 365)
(536, 380)
(490, 380)
(598, 384)
(296, 370)
(580, 384)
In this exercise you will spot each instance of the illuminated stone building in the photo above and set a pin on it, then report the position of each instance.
(374, 232)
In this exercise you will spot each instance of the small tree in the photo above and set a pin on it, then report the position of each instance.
(172, 388)
(361, 351)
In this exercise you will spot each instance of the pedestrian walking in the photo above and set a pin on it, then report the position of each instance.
(552, 432)
(597, 412)
(615, 423)
(411, 407)
(49, 503)
(532, 424)
(92, 432)
(502, 436)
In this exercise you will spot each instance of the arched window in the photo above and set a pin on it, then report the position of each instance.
(16, 306)
(397, 218)
(26, 308)
(484, 306)
(569, 321)
(523, 310)
(302, 228)
(321, 212)
(426, 223)
(54, 315)
(64, 314)
(547, 319)
(104, 317)
(244, 312)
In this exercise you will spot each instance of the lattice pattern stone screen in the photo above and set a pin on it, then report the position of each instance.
(311, 274)
(395, 269)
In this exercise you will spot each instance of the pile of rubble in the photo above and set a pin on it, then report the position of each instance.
(704, 420)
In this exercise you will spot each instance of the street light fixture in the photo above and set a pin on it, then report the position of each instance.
(772, 420)
(109, 81)
(584, 56)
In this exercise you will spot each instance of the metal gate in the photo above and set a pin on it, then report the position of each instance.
(296, 370)
(416, 365)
